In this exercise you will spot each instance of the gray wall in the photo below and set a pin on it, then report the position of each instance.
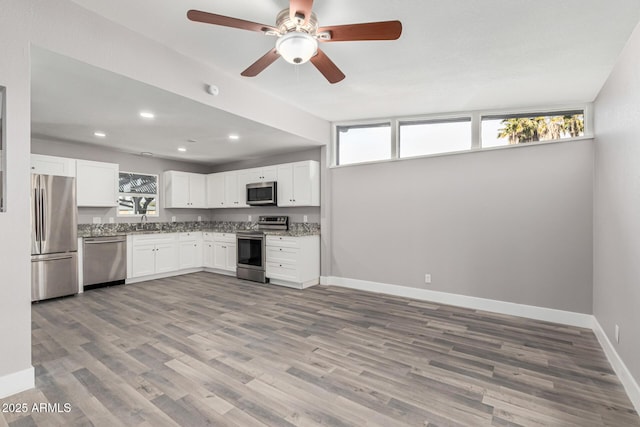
(15, 231)
(617, 206)
(295, 156)
(129, 163)
(511, 224)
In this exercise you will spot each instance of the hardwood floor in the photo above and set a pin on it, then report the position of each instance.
(204, 349)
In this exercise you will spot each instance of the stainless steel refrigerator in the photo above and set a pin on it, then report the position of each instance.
(54, 242)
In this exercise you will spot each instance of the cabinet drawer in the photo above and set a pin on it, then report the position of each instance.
(191, 235)
(283, 271)
(153, 238)
(282, 254)
(283, 241)
(224, 237)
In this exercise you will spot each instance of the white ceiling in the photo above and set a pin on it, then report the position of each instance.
(453, 55)
(70, 100)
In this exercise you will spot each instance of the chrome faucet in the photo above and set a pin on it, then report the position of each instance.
(143, 219)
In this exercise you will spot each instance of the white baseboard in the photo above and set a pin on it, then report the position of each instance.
(17, 382)
(219, 271)
(630, 385)
(581, 320)
(162, 275)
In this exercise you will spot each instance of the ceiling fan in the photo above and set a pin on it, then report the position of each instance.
(298, 36)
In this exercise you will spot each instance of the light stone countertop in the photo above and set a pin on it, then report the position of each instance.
(120, 229)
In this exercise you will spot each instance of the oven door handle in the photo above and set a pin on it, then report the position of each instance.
(249, 238)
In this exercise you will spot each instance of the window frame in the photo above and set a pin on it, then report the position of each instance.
(476, 130)
(363, 124)
(157, 195)
(535, 113)
(440, 120)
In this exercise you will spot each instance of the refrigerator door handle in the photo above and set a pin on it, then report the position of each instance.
(51, 259)
(36, 213)
(43, 213)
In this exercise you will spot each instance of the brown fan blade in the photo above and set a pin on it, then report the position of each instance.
(262, 63)
(226, 21)
(300, 7)
(385, 30)
(326, 66)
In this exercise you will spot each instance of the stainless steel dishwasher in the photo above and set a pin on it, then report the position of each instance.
(104, 260)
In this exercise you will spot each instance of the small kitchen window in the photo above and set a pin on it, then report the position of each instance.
(138, 194)
(426, 137)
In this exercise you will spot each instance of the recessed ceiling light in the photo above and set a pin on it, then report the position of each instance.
(147, 114)
(182, 149)
(100, 134)
(146, 153)
(234, 137)
(191, 140)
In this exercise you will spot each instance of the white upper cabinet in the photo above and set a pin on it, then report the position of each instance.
(232, 193)
(198, 190)
(244, 177)
(184, 190)
(225, 191)
(215, 190)
(299, 184)
(97, 183)
(50, 165)
(265, 174)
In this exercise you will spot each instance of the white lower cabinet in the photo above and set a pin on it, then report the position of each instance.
(220, 252)
(293, 261)
(290, 261)
(207, 249)
(153, 254)
(190, 250)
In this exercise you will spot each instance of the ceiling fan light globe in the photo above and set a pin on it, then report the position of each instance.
(297, 47)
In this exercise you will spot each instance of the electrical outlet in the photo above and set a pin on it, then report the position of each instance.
(173, 219)
(617, 334)
(427, 278)
(305, 219)
(249, 218)
(97, 220)
(111, 220)
(199, 218)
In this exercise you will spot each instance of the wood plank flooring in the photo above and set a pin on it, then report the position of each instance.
(205, 349)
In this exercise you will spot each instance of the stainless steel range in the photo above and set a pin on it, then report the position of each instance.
(251, 248)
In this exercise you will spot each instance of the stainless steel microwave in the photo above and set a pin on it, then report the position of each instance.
(262, 194)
